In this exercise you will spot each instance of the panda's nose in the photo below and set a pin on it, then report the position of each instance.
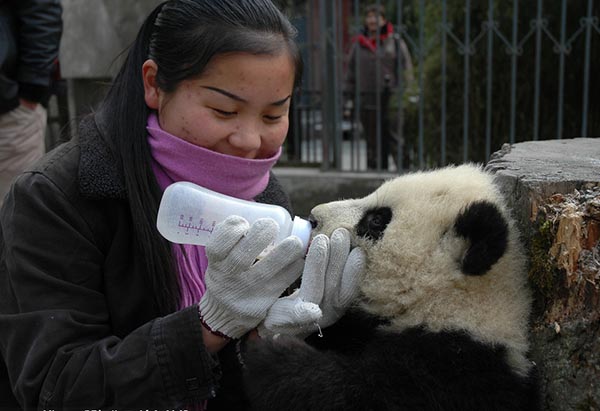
(313, 221)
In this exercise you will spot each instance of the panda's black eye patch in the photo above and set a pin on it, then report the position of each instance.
(373, 223)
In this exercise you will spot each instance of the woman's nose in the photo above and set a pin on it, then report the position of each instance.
(247, 137)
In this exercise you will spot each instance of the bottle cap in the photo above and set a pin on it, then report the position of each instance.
(301, 228)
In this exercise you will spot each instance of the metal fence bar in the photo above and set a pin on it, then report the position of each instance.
(538, 63)
(421, 84)
(356, 128)
(444, 46)
(490, 59)
(467, 47)
(561, 70)
(586, 69)
(320, 116)
(513, 70)
(337, 78)
(324, 34)
(399, 96)
(378, 128)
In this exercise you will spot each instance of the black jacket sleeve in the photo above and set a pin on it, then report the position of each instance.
(57, 341)
(39, 25)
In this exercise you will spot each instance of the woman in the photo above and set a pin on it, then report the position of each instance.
(375, 59)
(96, 309)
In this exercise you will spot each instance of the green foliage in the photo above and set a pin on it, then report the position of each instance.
(542, 271)
(431, 70)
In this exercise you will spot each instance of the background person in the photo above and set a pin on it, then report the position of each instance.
(30, 32)
(96, 308)
(377, 41)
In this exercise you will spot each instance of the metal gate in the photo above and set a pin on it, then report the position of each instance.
(484, 73)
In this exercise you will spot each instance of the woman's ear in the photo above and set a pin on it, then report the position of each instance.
(149, 70)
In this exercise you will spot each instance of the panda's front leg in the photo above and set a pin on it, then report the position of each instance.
(286, 373)
(324, 372)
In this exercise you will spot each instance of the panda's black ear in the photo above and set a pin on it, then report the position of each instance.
(486, 229)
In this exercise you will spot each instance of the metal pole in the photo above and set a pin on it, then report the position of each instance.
(323, 30)
(337, 97)
(379, 116)
(538, 61)
(466, 81)
(444, 59)
(561, 75)
(330, 121)
(421, 79)
(400, 95)
(513, 69)
(356, 108)
(490, 56)
(586, 69)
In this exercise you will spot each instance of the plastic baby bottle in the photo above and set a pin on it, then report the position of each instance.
(188, 214)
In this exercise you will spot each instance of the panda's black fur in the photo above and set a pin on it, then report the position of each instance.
(483, 224)
(397, 348)
(357, 367)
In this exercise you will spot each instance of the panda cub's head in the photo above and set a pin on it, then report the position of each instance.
(442, 253)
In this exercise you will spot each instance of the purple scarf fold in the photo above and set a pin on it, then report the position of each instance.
(175, 159)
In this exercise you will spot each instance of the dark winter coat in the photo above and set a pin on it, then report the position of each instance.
(376, 63)
(79, 324)
(30, 32)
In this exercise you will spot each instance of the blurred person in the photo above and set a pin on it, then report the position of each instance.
(378, 51)
(30, 32)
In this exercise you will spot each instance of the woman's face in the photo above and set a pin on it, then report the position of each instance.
(374, 22)
(239, 105)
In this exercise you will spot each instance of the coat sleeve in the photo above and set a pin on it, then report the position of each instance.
(350, 77)
(38, 38)
(56, 339)
(407, 64)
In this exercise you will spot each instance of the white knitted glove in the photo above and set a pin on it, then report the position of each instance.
(330, 282)
(238, 291)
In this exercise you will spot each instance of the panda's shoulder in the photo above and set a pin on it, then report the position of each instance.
(450, 358)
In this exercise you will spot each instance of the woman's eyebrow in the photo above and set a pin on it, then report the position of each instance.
(238, 98)
(281, 102)
(225, 93)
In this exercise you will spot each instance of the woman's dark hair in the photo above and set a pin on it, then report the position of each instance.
(378, 9)
(181, 36)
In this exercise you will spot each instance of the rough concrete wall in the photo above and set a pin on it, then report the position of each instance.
(553, 188)
(308, 187)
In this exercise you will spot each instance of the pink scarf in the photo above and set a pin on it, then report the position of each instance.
(174, 159)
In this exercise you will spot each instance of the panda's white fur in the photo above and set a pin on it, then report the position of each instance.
(442, 316)
(414, 275)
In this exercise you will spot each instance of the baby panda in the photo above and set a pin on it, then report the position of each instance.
(441, 321)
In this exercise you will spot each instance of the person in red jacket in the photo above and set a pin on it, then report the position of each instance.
(373, 61)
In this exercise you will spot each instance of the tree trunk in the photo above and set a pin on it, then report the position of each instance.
(553, 189)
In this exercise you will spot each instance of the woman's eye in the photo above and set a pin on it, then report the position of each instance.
(272, 118)
(224, 113)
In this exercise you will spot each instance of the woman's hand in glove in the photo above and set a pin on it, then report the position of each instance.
(330, 282)
(239, 291)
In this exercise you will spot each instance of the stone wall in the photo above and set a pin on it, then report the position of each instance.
(308, 187)
(553, 188)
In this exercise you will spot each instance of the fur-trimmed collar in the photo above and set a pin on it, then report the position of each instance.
(100, 171)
